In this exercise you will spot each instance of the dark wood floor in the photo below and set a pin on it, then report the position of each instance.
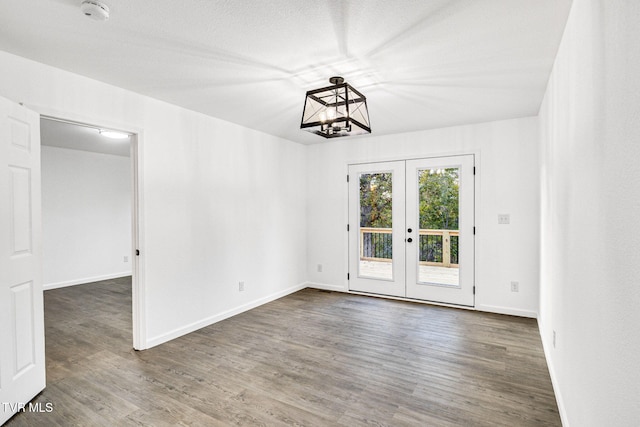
(313, 358)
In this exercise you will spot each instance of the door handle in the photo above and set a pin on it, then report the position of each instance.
(409, 240)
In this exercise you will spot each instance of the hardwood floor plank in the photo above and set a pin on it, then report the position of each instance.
(313, 358)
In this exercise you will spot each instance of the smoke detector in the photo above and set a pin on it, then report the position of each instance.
(95, 10)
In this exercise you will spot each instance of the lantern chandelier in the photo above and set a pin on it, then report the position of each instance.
(335, 111)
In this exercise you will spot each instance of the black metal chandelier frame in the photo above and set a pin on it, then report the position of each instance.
(336, 96)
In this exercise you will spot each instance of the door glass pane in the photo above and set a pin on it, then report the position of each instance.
(439, 235)
(376, 249)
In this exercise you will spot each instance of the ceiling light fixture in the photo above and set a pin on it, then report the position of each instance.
(113, 134)
(335, 111)
(95, 10)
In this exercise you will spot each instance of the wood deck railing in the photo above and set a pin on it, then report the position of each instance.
(375, 245)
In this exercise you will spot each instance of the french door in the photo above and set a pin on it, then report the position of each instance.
(411, 229)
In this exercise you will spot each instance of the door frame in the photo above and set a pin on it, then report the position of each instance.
(476, 152)
(138, 288)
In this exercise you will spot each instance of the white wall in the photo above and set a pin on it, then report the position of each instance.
(590, 205)
(86, 216)
(220, 203)
(507, 182)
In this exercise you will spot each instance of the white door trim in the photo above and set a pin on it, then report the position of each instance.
(138, 305)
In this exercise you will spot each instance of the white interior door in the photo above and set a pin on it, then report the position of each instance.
(440, 215)
(411, 229)
(376, 228)
(22, 362)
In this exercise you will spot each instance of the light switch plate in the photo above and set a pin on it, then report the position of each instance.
(504, 219)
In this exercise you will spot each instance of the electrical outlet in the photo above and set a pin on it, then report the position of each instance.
(554, 339)
(319, 268)
(126, 258)
(503, 219)
(515, 287)
(241, 286)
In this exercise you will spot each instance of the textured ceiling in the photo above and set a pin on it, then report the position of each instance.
(421, 63)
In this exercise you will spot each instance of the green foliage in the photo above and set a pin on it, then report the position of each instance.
(438, 190)
(439, 199)
(375, 200)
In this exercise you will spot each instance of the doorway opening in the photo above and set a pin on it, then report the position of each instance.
(90, 210)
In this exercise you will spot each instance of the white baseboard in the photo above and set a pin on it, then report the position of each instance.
(507, 310)
(84, 280)
(488, 308)
(178, 332)
(326, 287)
(554, 381)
